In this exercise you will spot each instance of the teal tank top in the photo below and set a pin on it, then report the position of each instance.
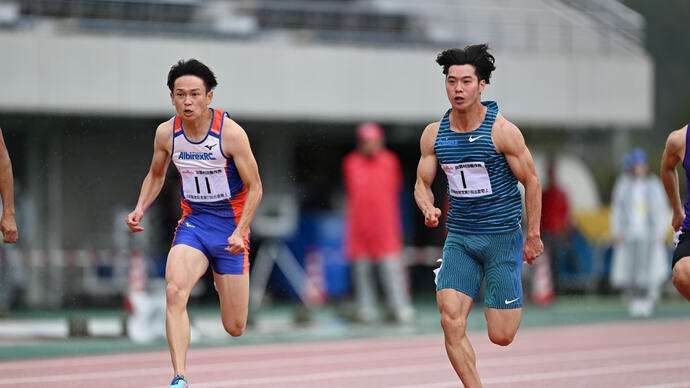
(483, 192)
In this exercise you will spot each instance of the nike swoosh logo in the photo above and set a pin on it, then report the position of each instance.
(210, 146)
(472, 139)
(190, 225)
(511, 301)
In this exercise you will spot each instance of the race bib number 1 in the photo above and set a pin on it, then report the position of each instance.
(467, 179)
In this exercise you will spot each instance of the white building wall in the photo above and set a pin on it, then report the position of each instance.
(126, 75)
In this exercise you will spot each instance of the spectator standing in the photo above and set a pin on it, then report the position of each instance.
(373, 181)
(639, 225)
(555, 223)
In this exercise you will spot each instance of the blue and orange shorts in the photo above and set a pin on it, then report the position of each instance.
(209, 233)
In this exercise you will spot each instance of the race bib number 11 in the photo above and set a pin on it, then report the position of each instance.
(205, 185)
(467, 179)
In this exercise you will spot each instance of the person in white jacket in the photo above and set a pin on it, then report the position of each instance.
(640, 217)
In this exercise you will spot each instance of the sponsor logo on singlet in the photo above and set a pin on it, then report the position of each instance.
(483, 193)
(184, 155)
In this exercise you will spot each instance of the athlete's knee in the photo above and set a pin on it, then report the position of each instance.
(453, 326)
(502, 341)
(681, 276)
(679, 280)
(176, 295)
(235, 328)
(681, 271)
(682, 267)
(501, 332)
(501, 337)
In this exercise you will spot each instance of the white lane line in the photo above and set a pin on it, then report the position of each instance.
(316, 360)
(442, 366)
(241, 351)
(677, 384)
(531, 377)
(341, 359)
(628, 368)
(245, 350)
(281, 380)
(604, 353)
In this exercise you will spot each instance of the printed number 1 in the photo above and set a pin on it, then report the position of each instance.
(208, 185)
(462, 173)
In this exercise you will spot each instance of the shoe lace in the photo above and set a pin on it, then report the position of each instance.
(177, 378)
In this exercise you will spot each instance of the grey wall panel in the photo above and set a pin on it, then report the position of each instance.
(290, 81)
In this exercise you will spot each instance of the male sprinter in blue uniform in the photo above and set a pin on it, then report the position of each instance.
(677, 151)
(220, 189)
(483, 155)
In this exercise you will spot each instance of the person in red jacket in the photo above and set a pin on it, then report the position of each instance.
(373, 181)
(555, 224)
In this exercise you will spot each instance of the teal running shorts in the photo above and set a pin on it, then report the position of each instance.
(469, 258)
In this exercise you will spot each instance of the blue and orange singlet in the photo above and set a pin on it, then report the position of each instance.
(209, 181)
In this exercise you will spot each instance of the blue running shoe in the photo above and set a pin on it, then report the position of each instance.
(179, 382)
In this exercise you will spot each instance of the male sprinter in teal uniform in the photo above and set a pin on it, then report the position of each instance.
(220, 189)
(483, 155)
(676, 151)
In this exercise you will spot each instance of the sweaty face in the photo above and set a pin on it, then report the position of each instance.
(463, 87)
(189, 96)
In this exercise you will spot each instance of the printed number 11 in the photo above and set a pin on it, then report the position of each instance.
(208, 185)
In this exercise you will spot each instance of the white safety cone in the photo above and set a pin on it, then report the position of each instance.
(316, 290)
(542, 284)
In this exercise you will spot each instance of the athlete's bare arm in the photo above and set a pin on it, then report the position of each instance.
(8, 225)
(426, 172)
(509, 141)
(153, 183)
(674, 153)
(236, 145)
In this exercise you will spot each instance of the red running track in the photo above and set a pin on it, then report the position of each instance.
(650, 354)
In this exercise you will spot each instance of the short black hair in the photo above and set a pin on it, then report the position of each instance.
(476, 55)
(192, 67)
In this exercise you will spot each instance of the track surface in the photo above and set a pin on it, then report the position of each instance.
(623, 354)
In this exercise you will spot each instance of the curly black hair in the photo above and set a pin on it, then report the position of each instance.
(476, 55)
